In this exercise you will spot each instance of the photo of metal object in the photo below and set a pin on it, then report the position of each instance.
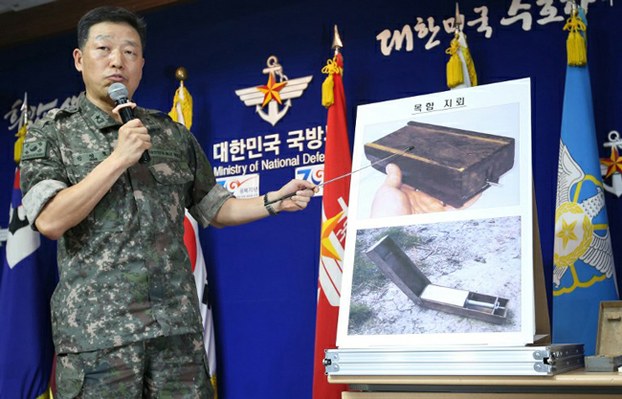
(400, 269)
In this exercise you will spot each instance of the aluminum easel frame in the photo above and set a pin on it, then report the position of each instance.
(463, 360)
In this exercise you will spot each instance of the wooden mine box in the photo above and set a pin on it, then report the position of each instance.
(452, 165)
(608, 340)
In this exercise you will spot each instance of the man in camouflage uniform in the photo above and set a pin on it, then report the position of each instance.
(125, 313)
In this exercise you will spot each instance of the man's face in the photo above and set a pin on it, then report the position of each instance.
(112, 53)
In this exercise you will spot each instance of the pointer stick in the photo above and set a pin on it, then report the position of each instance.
(407, 149)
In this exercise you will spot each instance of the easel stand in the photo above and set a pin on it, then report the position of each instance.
(538, 371)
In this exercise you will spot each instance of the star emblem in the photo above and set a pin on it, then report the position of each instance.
(276, 94)
(613, 163)
(271, 90)
(328, 249)
(567, 232)
(583, 250)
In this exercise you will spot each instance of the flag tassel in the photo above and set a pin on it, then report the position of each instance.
(455, 76)
(575, 44)
(19, 143)
(328, 94)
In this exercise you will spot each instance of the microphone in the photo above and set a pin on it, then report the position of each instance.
(118, 93)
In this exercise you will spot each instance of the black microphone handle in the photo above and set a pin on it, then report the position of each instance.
(127, 114)
(145, 157)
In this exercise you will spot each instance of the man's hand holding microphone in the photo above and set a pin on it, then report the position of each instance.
(134, 140)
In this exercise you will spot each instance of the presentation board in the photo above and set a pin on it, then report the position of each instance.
(444, 254)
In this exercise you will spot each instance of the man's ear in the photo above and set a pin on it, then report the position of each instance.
(77, 59)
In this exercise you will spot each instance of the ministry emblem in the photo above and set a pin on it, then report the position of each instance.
(276, 94)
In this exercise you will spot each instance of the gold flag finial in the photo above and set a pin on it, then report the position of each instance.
(333, 66)
(573, 6)
(24, 109)
(181, 74)
(337, 44)
(458, 20)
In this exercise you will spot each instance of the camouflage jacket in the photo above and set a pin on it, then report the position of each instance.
(124, 270)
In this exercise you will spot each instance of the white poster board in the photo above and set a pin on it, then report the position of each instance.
(483, 246)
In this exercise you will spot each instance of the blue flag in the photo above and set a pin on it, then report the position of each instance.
(26, 285)
(584, 271)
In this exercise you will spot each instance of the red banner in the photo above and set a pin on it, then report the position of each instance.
(337, 162)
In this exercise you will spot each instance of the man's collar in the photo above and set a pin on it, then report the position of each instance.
(99, 118)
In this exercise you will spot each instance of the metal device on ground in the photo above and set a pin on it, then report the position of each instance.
(401, 270)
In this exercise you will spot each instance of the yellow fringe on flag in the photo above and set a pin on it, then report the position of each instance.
(575, 44)
(455, 76)
(328, 94)
(184, 100)
(214, 385)
(19, 143)
(470, 65)
(46, 395)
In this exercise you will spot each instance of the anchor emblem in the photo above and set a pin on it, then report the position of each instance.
(276, 94)
(612, 166)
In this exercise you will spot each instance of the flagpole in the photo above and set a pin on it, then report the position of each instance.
(26, 287)
(583, 265)
(181, 112)
(338, 162)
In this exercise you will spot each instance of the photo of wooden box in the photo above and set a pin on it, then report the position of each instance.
(452, 165)
(608, 339)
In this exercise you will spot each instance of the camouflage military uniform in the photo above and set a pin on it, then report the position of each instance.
(124, 271)
(163, 367)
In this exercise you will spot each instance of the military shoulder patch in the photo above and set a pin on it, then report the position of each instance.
(34, 150)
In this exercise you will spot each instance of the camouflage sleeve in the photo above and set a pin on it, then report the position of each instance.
(209, 205)
(207, 195)
(42, 173)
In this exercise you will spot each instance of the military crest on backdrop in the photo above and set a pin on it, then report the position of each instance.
(239, 161)
(276, 94)
(611, 167)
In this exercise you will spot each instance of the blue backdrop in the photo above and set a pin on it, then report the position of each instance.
(263, 276)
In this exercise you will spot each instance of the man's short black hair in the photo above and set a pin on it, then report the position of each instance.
(110, 14)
